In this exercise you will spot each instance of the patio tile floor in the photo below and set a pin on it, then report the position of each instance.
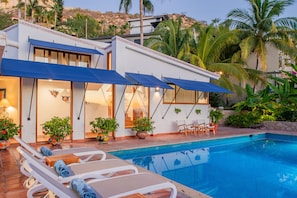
(11, 181)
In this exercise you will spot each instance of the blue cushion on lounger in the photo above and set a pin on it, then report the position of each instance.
(45, 151)
(82, 188)
(61, 168)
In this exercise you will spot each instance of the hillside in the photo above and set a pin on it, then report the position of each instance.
(119, 19)
(108, 18)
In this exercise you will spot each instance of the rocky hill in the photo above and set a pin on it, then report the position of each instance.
(108, 18)
(119, 19)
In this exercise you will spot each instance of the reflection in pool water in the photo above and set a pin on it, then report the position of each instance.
(256, 166)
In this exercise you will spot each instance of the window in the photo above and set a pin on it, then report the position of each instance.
(98, 103)
(54, 57)
(64, 58)
(84, 60)
(48, 103)
(136, 104)
(109, 63)
(181, 96)
(72, 59)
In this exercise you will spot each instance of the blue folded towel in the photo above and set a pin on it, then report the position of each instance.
(82, 188)
(61, 168)
(45, 151)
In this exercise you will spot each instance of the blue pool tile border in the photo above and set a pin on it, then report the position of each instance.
(218, 142)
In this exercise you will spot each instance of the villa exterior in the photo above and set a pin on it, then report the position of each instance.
(45, 73)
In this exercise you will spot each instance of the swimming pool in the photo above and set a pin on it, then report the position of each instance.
(261, 165)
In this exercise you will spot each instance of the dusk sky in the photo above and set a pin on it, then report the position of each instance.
(202, 10)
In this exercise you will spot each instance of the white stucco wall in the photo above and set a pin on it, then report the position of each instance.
(78, 115)
(130, 57)
(18, 35)
(126, 57)
(272, 59)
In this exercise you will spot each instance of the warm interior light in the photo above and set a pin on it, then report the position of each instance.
(4, 103)
(66, 98)
(54, 92)
(65, 95)
(157, 89)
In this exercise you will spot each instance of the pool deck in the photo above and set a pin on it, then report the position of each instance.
(11, 184)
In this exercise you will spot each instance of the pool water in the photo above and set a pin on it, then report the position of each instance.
(263, 165)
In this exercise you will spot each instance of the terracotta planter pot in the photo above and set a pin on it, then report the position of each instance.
(141, 134)
(4, 144)
(103, 138)
(55, 141)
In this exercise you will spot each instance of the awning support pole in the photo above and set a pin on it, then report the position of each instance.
(142, 103)
(122, 97)
(97, 62)
(194, 105)
(30, 107)
(82, 102)
(171, 103)
(131, 100)
(159, 103)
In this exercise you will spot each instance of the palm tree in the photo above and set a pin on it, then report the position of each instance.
(169, 38)
(32, 7)
(57, 8)
(20, 5)
(260, 26)
(216, 49)
(144, 5)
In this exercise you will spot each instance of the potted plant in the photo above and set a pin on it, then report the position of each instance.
(215, 116)
(177, 110)
(57, 128)
(8, 130)
(103, 126)
(142, 126)
(198, 111)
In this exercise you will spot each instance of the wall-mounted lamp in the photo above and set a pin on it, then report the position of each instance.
(65, 95)
(4, 103)
(157, 89)
(54, 93)
(66, 98)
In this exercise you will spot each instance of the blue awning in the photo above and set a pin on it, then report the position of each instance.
(62, 47)
(31, 69)
(146, 80)
(196, 85)
(110, 77)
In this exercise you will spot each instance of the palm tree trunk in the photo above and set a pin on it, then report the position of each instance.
(141, 20)
(25, 17)
(257, 67)
(55, 20)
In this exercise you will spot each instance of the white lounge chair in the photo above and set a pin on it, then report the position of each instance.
(108, 188)
(85, 153)
(184, 127)
(88, 170)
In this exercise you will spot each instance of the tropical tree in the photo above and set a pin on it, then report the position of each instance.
(33, 7)
(216, 49)
(5, 20)
(20, 6)
(260, 26)
(283, 89)
(57, 8)
(262, 102)
(144, 6)
(77, 25)
(169, 38)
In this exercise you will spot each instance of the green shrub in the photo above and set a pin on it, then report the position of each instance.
(243, 119)
(57, 127)
(268, 118)
(287, 115)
